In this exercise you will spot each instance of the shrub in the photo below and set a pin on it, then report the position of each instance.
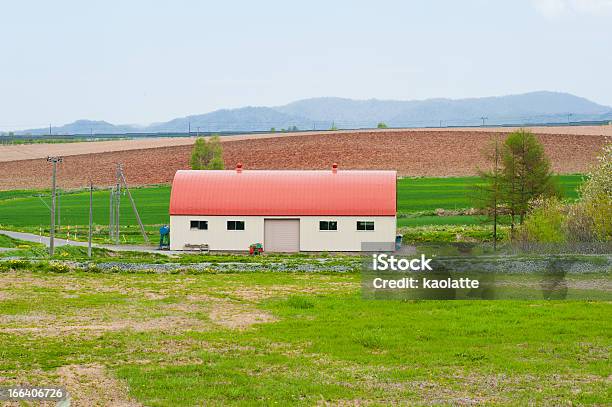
(597, 195)
(207, 154)
(15, 265)
(579, 225)
(544, 223)
(58, 268)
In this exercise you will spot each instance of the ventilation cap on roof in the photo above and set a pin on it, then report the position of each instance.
(334, 168)
(239, 167)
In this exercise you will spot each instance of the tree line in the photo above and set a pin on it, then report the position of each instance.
(519, 184)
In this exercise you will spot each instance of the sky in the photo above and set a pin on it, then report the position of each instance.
(139, 62)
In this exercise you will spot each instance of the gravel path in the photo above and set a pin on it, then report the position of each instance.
(30, 237)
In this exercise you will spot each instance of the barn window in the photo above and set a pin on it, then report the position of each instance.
(235, 225)
(199, 225)
(365, 225)
(328, 225)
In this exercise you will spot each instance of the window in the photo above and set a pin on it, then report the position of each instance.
(235, 225)
(365, 225)
(328, 225)
(199, 224)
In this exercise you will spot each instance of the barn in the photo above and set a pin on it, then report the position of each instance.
(285, 210)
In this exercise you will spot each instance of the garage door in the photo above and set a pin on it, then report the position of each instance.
(282, 235)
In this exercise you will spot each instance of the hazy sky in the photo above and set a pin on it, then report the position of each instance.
(141, 61)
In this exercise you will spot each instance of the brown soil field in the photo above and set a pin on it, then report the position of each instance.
(411, 153)
(31, 151)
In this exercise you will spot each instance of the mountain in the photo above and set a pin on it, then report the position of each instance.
(524, 108)
(252, 118)
(82, 127)
(325, 112)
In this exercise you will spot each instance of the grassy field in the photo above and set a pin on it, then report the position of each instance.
(129, 329)
(426, 194)
(292, 338)
(417, 197)
(425, 220)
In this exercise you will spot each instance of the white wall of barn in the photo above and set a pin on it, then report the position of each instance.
(346, 238)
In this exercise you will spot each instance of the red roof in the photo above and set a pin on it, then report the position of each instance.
(283, 193)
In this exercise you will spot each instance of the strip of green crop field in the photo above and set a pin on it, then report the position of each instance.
(423, 194)
(417, 200)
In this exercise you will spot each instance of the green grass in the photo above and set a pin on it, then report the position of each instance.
(152, 203)
(423, 194)
(21, 193)
(417, 197)
(8, 242)
(414, 194)
(447, 220)
(161, 335)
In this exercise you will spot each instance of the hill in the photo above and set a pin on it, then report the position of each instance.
(529, 107)
(325, 112)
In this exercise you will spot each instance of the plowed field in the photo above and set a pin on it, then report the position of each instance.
(411, 153)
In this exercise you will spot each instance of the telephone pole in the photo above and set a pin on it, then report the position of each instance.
(483, 118)
(59, 210)
(54, 161)
(90, 218)
(117, 197)
(111, 214)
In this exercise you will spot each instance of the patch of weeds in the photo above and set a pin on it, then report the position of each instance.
(58, 267)
(93, 268)
(15, 265)
(471, 356)
(371, 339)
(300, 302)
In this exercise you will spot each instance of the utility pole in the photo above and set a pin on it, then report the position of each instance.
(483, 118)
(54, 161)
(568, 117)
(59, 210)
(198, 131)
(111, 214)
(117, 204)
(189, 129)
(49, 128)
(90, 218)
